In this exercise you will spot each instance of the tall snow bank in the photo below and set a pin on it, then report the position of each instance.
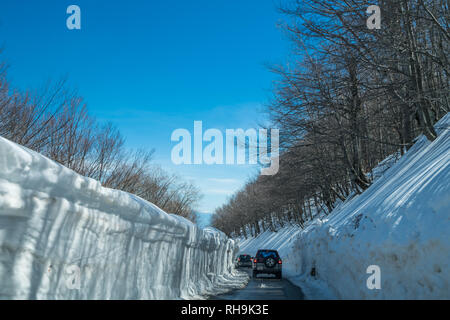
(64, 236)
(401, 224)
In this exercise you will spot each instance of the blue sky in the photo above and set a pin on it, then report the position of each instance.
(151, 67)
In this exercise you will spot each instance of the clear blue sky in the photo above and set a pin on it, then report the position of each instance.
(151, 67)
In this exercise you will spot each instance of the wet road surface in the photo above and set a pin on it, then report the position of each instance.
(264, 287)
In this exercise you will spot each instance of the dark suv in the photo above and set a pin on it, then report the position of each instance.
(267, 261)
(244, 260)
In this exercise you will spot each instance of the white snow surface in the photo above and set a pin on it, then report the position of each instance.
(54, 223)
(401, 224)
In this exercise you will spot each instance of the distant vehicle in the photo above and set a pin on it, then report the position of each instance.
(267, 261)
(244, 260)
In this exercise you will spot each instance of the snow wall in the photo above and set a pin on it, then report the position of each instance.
(64, 236)
(401, 224)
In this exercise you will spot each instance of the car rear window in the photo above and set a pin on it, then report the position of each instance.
(267, 253)
(245, 257)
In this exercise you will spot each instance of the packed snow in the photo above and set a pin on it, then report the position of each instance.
(64, 236)
(401, 224)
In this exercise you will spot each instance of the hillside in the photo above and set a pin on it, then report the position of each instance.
(401, 224)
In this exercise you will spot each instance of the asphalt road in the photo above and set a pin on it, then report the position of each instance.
(264, 287)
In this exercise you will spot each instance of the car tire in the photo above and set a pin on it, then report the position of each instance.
(255, 274)
(279, 275)
(269, 262)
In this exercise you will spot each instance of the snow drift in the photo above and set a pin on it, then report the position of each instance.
(401, 224)
(64, 236)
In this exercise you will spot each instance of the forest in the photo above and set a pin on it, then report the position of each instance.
(54, 121)
(349, 98)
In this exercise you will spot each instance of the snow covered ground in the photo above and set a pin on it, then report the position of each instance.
(401, 224)
(64, 236)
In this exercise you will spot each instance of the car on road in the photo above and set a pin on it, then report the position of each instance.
(244, 260)
(268, 262)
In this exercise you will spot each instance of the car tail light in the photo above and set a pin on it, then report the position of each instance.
(280, 262)
(254, 260)
(239, 259)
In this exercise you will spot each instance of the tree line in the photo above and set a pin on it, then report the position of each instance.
(55, 122)
(349, 98)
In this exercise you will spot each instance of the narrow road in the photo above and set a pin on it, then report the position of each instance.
(264, 287)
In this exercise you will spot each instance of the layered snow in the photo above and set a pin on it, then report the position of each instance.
(401, 224)
(64, 236)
